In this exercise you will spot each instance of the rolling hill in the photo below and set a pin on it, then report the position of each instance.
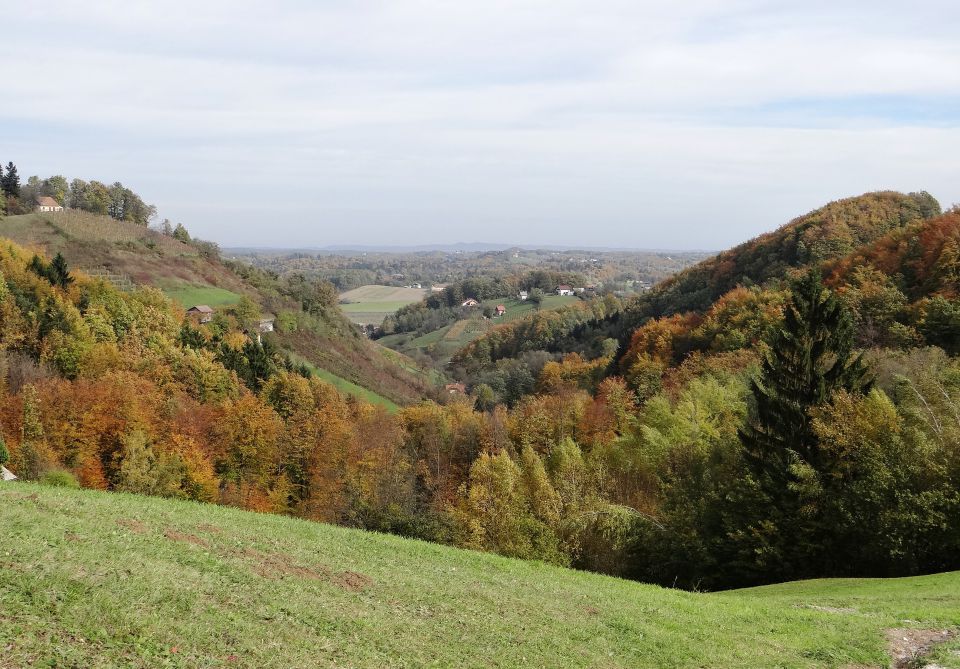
(93, 579)
(128, 254)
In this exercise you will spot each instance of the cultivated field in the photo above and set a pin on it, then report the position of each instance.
(371, 304)
(93, 579)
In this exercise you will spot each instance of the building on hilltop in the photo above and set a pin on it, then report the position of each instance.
(47, 203)
(201, 312)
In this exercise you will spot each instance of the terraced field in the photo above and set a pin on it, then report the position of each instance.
(371, 304)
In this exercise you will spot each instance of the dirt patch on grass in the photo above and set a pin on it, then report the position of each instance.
(353, 581)
(175, 535)
(133, 525)
(209, 529)
(828, 609)
(909, 645)
(279, 566)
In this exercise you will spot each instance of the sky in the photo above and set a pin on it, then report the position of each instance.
(673, 125)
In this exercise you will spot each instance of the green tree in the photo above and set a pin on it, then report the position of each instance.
(180, 233)
(810, 358)
(59, 274)
(10, 181)
(4, 453)
(536, 297)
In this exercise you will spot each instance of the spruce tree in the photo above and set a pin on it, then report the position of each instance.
(58, 272)
(11, 181)
(810, 357)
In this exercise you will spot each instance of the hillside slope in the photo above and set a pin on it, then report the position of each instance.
(132, 253)
(102, 580)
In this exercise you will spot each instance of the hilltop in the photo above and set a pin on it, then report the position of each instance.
(129, 254)
(102, 580)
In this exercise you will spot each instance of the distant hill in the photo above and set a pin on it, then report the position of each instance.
(93, 579)
(125, 252)
(823, 236)
(460, 247)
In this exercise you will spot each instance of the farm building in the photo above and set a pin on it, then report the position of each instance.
(455, 389)
(266, 325)
(470, 303)
(438, 287)
(564, 289)
(47, 203)
(201, 312)
(522, 295)
(500, 310)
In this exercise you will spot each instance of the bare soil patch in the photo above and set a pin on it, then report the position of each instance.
(279, 566)
(209, 529)
(175, 535)
(353, 581)
(909, 645)
(132, 524)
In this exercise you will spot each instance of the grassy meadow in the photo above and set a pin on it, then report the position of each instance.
(91, 579)
(212, 296)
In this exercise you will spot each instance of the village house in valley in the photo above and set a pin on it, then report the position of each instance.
(455, 389)
(522, 295)
(470, 302)
(564, 289)
(500, 310)
(47, 203)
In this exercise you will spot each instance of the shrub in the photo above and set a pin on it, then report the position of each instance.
(59, 478)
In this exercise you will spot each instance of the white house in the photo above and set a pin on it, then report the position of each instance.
(47, 203)
(564, 289)
(522, 295)
(470, 302)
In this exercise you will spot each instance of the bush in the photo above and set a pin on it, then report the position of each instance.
(59, 478)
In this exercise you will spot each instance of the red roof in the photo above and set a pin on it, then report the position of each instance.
(47, 201)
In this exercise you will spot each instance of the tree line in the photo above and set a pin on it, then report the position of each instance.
(115, 200)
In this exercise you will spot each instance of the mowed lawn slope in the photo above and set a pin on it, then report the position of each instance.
(91, 579)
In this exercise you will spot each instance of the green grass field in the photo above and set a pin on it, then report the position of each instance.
(91, 579)
(189, 296)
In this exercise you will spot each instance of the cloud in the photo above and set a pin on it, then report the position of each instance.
(414, 121)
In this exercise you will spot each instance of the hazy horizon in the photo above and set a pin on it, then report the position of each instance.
(582, 125)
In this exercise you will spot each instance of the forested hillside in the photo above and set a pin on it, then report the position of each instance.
(799, 428)
(308, 323)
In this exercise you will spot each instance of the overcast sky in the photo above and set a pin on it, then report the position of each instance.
(693, 124)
